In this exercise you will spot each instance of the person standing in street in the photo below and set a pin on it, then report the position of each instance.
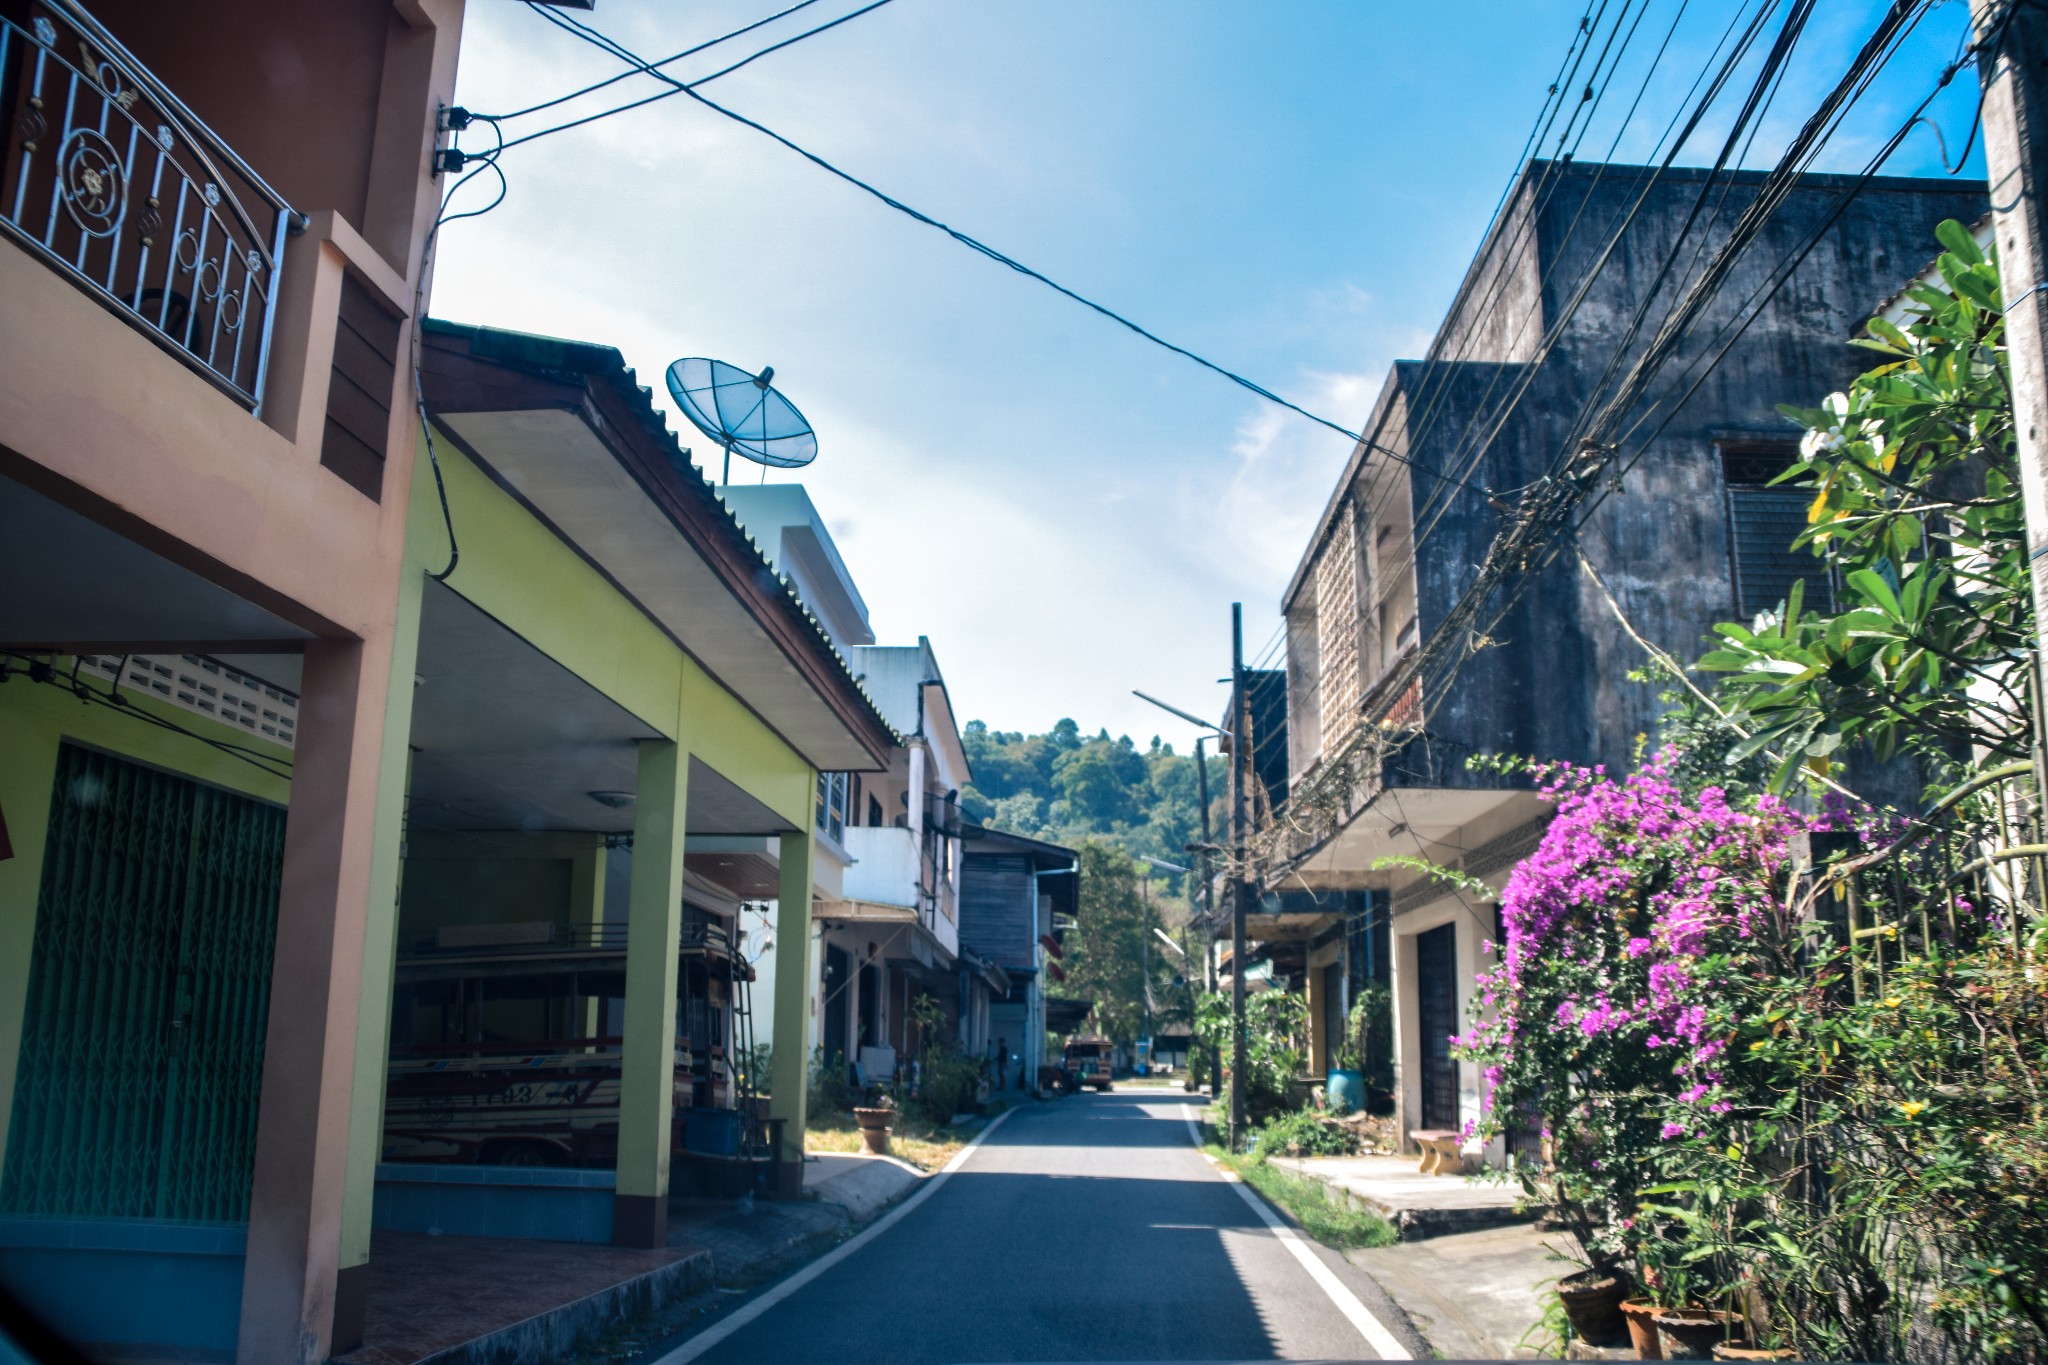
(1002, 1063)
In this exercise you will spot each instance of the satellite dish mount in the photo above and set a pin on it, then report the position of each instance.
(743, 412)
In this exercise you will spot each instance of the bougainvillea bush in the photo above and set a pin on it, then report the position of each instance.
(1830, 1116)
(1621, 933)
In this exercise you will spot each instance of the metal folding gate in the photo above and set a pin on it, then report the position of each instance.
(149, 986)
(1436, 989)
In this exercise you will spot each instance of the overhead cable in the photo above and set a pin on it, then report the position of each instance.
(665, 61)
(641, 66)
(597, 39)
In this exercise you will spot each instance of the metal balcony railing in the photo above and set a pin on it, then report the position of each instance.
(110, 179)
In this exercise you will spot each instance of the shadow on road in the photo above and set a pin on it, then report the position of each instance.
(1113, 1120)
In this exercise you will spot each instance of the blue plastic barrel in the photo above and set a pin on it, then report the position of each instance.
(1345, 1091)
(713, 1132)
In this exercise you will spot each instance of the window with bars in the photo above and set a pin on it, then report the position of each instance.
(834, 799)
(1763, 521)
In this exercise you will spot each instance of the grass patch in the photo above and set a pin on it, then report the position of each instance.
(1330, 1220)
(921, 1144)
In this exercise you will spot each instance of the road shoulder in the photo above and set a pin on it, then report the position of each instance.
(1396, 1336)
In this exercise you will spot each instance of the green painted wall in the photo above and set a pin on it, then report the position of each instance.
(521, 574)
(500, 878)
(35, 719)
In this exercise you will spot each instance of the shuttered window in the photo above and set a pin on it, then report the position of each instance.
(1762, 524)
(359, 391)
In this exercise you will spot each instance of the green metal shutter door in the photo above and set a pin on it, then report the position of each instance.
(142, 1042)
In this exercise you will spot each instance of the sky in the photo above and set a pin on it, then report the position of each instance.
(1290, 188)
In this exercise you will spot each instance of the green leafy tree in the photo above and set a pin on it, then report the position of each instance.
(1916, 509)
(1106, 953)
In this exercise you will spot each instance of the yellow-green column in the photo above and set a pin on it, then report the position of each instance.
(653, 940)
(786, 1079)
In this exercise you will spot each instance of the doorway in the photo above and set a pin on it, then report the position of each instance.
(1436, 984)
(148, 994)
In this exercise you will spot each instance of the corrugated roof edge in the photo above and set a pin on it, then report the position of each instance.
(589, 359)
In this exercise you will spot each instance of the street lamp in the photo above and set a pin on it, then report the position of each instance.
(1202, 852)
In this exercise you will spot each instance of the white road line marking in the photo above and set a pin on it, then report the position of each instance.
(1375, 1332)
(725, 1327)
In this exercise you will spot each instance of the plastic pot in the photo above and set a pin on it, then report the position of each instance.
(1345, 1091)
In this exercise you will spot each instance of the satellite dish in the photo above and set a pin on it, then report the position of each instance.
(742, 413)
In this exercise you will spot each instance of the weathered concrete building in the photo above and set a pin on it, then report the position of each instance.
(1580, 270)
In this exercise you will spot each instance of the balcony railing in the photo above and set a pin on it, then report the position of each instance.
(111, 180)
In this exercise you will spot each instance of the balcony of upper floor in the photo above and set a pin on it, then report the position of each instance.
(211, 221)
(915, 871)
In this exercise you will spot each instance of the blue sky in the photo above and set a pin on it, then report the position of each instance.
(1290, 187)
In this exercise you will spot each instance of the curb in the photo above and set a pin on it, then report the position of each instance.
(1375, 1299)
(1415, 1225)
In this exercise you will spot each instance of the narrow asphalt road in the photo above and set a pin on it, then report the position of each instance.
(1085, 1229)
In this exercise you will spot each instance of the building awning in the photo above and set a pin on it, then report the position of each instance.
(565, 427)
(910, 943)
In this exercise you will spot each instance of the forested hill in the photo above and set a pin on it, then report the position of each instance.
(1064, 788)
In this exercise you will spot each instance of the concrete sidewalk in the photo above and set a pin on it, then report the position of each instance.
(1473, 1295)
(861, 1184)
(1470, 1271)
(499, 1301)
(1417, 1205)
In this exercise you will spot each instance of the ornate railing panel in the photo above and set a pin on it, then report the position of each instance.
(111, 180)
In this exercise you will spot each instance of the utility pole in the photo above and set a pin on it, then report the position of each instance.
(2012, 67)
(1240, 886)
(1208, 909)
(1145, 967)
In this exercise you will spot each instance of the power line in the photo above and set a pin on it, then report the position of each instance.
(1481, 436)
(599, 40)
(43, 671)
(665, 61)
(1544, 517)
(606, 44)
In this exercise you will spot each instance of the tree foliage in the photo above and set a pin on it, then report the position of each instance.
(1916, 510)
(1106, 951)
(1061, 787)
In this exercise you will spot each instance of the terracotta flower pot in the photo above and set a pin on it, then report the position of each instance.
(1592, 1303)
(1693, 1333)
(1640, 1314)
(874, 1129)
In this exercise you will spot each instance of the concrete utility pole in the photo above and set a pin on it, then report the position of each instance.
(1208, 909)
(1240, 885)
(1145, 967)
(2012, 65)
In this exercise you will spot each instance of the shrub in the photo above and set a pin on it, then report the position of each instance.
(1305, 1132)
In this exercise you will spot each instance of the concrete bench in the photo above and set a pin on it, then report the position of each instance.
(1442, 1150)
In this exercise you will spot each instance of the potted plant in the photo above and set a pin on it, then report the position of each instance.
(1592, 1303)
(1344, 1086)
(1686, 1329)
(1693, 1333)
(875, 1121)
